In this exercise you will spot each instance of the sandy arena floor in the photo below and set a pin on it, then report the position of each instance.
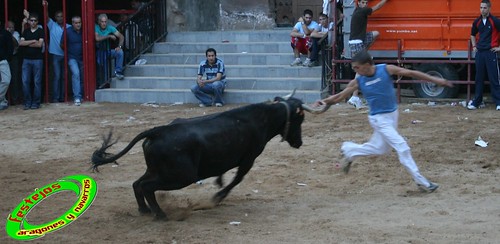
(289, 196)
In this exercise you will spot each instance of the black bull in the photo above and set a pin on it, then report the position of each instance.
(188, 150)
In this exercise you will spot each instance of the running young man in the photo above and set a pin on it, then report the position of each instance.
(378, 88)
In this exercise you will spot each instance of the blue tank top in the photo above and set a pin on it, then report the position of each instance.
(378, 90)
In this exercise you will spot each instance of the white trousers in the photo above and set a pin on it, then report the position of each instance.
(385, 136)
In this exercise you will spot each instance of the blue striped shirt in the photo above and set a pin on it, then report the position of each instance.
(211, 70)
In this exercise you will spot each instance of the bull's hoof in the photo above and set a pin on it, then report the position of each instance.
(160, 217)
(217, 199)
(144, 211)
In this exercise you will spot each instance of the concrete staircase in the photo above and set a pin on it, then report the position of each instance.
(257, 64)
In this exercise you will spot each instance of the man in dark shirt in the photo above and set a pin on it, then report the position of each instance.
(487, 28)
(6, 51)
(360, 40)
(75, 56)
(31, 43)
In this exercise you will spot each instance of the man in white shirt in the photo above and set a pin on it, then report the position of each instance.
(301, 43)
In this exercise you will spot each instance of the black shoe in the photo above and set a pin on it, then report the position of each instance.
(26, 107)
(105, 85)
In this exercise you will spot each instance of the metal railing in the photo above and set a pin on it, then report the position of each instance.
(141, 31)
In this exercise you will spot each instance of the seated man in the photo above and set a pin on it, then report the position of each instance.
(210, 89)
(300, 37)
(318, 37)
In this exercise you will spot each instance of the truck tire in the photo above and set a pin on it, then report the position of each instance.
(431, 90)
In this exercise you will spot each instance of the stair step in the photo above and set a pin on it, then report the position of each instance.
(232, 71)
(236, 47)
(169, 96)
(246, 83)
(228, 58)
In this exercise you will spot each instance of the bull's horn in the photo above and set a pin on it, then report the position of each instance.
(290, 95)
(316, 110)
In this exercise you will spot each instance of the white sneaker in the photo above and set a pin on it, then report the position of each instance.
(218, 104)
(296, 62)
(307, 62)
(498, 107)
(78, 102)
(471, 107)
(355, 101)
(202, 105)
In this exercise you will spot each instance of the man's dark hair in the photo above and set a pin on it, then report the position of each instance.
(309, 12)
(323, 15)
(209, 51)
(487, 2)
(363, 57)
(33, 15)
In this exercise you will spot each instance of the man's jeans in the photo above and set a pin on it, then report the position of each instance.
(32, 68)
(118, 56)
(204, 94)
(76, 67)
(57, 83)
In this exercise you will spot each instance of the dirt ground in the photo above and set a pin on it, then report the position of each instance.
(289, 196)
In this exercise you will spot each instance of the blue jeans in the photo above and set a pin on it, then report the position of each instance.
(205, 93)
(32, 68)
(118, 56)
(76, 67)
(57, 83)
(315, 48)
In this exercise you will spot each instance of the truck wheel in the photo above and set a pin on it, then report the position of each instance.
(431, 90)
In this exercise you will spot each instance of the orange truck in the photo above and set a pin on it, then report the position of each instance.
(428, 35)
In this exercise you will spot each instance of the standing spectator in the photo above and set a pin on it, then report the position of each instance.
(6, 51)
(318, 36)
(214, 84)
(32, 42)
(75, 57)
(105, 32)
(301, 43)
(376, 83)
(16, 87)
(130, 32)
(56, 29)
(359, 39)
(487, 27)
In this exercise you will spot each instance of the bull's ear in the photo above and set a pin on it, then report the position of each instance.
(300, 111)
(278, 99)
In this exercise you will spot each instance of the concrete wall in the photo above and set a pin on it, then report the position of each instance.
(208, 15)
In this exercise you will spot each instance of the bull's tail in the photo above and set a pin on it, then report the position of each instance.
(100, 156)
